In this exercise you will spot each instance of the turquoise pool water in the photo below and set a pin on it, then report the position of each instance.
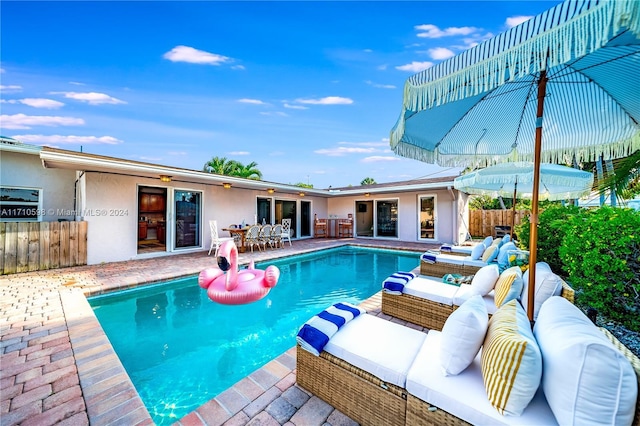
(181, 349)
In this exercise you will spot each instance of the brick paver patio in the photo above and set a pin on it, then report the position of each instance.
(58, 367)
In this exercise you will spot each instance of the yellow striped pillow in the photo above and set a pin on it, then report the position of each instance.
(508, 287)
(511, 360)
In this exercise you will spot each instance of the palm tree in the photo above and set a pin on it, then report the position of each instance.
(248, 171)
(368, 181)
(625, 180)
(220, 166)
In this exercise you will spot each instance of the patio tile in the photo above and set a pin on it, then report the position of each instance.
(249, 388)
(263, 419)
(295, 396)
(281, 410)
(212, 413)
(313, 413)
(261, 402)
(232, 400)
(337, 418)
(240, 419)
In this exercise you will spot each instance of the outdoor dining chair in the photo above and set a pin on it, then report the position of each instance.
(265, 235)
(286, 230)
(253, 237)
(216, 240)
(345, 226)
(276, 236)
(319, 227)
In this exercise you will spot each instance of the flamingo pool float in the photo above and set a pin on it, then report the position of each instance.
(236, 287)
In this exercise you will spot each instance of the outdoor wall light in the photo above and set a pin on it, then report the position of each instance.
(366, 194)
(226, 185)
(271, 190)
(165, 178)
(301, 194)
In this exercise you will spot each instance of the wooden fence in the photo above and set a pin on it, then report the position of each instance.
(482, 223)
(34, 246)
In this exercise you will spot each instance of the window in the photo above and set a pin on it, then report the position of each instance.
(20, 204)
(427, 217)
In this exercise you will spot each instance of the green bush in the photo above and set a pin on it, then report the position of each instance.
(552, 226)
(600, 251)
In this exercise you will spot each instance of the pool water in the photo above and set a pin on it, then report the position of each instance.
(180, 349)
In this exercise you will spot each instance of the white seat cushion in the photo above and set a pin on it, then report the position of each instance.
(547, 284)
(586, 379)
(464, 395)
(467, 261)
(465, 292)
(450, 258)
(431, 289)
(380, 347)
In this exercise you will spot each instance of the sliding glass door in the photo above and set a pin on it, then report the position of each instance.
(387, 218)
(188, 221)
(427, 217)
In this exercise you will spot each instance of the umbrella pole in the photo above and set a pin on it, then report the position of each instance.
(533, 238)
(513, 213)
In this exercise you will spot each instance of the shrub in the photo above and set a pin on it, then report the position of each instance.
(552, 226)
(600, 251)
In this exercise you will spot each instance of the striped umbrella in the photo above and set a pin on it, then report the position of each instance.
(576, 65)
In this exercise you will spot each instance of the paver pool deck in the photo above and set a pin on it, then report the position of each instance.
(58, 367)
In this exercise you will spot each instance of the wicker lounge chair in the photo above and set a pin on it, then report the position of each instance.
(432, 314)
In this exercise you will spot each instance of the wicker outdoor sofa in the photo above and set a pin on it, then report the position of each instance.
(433, 314)
(369, 400)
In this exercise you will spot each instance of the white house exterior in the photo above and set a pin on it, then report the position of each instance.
(110, 194)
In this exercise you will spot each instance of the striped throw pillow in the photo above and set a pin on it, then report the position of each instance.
(511, 360)
(508, 287)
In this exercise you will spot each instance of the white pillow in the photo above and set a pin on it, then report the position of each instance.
(587, 381)
(547, 284)
(511, 361)
(462, 335)
(485, 279)
(477, 251)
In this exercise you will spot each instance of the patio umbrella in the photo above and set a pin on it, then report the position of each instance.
(577, 63)
(516, 180)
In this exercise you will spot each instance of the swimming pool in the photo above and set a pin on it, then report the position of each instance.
(180, 349)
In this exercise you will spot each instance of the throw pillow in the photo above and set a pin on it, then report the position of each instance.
(490, 254)
(511, 360)
(462, 336)
(547, 284)
(506, 239)
(485, 279)
(508, 286)
(503, 255)
(497, 242)
(487, 241)
(587, 381)
(477, 251)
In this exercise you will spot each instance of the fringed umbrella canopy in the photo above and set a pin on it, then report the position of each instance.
(559, 88)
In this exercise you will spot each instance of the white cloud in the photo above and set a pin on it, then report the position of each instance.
(274, 114)
(380, 86)
(251, 101)
(341, 151)
(239, 153)
(368, 50)
(76, 83)
(378, 158)
(22, 121)
(382, 67)
(238, 67)
(195, 56)
(415, 66)
(329, 100)
(517, 20)
(440, 53)
(69, 139)
(384, 142)
(10, 88)
(35, 102)
(432, 31)
(286, 105)
(92, 98)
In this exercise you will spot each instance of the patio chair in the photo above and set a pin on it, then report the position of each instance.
(253, 237)
(345, 226)
(265, 235)
(320, 227)
(216, 240)
(276, 236)
(237, 238)
(286, 231)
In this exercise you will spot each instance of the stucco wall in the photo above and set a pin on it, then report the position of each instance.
(25, 170)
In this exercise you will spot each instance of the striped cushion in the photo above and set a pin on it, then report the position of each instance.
(488, 254)
(509, 286)
(511, 360)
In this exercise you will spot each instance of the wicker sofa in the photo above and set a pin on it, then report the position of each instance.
(432, 312)
(370, 400)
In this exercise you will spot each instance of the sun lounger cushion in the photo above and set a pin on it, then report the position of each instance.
(511, 360)
(465, 292)
(587, 381)
(476, 251)
(380, 347)
(547, 284)
(509, 286)
(462, 335)
(432, 289)
(485, 279)
(464, 395)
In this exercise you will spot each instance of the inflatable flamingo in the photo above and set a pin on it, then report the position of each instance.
(236, 287)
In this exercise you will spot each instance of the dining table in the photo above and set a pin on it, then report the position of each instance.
(239, 231)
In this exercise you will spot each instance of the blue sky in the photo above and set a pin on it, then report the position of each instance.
(307, 90)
